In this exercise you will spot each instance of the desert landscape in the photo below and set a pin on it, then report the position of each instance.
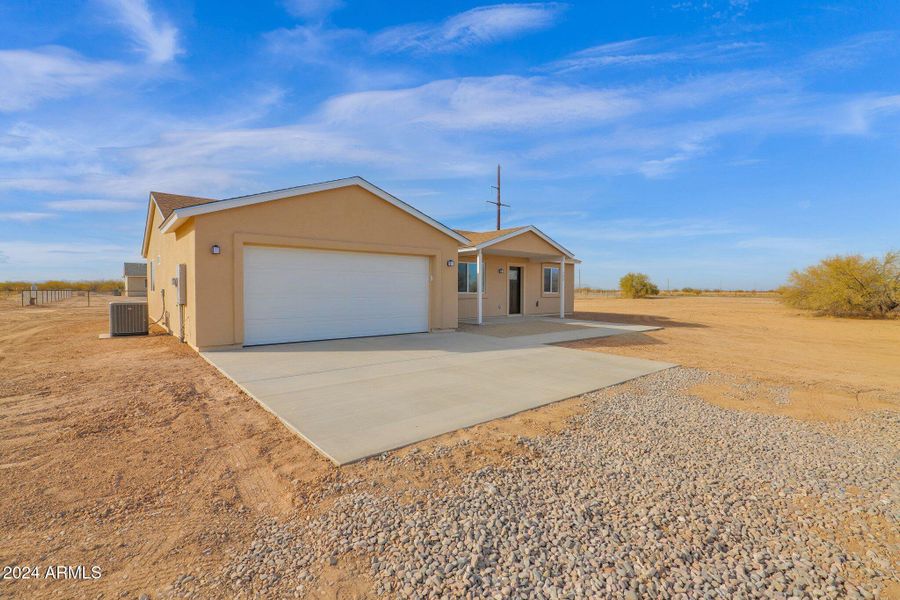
(765, 464)
(346, 300)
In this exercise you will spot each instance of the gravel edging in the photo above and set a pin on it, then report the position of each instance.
(648, 492)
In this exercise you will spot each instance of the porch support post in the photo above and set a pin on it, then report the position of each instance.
(562, 287)
(479, 269)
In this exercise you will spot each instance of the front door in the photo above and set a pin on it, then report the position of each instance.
(515, 290)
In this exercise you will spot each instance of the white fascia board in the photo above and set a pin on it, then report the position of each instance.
(151, 208)
(178, 216)
(552, 242)
(518, 232)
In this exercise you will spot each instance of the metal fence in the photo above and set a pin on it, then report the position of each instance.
(595, 293)
(41, 297)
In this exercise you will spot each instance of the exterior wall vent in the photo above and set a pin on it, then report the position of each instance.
(128, 318)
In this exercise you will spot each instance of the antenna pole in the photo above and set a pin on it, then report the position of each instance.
(498, 202)
(498, 198)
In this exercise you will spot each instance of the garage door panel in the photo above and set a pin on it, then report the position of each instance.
(273, 331)
(300, 295)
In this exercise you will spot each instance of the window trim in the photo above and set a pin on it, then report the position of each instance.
(483, 279)
(544, 290)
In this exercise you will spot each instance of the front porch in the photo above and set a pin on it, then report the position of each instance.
(519, 272)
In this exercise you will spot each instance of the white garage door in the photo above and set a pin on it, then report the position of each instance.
(293, 295)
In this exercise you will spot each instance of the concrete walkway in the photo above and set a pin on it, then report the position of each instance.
(359, 397)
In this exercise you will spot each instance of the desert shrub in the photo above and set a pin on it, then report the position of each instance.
(692, 291)
(847, 285)
(637, 285)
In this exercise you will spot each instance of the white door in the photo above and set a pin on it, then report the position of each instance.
(294, 295)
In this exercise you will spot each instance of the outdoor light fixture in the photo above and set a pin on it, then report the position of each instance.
(451, 262)
(215, 249)
(500, 270)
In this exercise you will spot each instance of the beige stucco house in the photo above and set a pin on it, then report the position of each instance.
(135, 275)
(336, 259)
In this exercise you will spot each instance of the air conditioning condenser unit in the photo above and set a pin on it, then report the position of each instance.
(128, 318)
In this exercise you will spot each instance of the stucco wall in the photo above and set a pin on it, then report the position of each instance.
(168, 251)
(526, 242)
(495, 298)
(135, 286)
(348, 218)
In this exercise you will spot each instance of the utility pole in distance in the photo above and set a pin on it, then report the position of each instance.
(498, 203)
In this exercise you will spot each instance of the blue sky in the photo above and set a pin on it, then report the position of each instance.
(714, 144)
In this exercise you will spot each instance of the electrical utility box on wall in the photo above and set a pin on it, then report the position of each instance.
(180, 283)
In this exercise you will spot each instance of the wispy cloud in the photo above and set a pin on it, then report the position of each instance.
(312, 44)
(627, 52)
(475, 27)
(30, 76)
(862, 112)
(649, 51)
(312, 9)
(498, 102)
(152, 34)
(721, 10)
(25, 217)
(653, 127)
(93, 205)
(626, 230)
(852, 52)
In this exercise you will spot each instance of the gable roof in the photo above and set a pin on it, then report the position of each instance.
(199, 206)
(134, 270)
(170, 202)
(485, 239)
(167, 204)
(480, 237)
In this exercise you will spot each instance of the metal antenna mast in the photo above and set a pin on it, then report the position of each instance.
(497, 203)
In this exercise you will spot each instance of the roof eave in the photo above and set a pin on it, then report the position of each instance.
(151, 203)
(519, 232)
(179, 215)
(171, 222)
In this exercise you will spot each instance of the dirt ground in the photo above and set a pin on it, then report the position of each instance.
(134, 455)
(835, 367)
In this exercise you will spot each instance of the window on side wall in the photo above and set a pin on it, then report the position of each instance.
(551, 280)
(467, 278)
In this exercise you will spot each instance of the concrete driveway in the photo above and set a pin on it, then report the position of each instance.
(355, 398)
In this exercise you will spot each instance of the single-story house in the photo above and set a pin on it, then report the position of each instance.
(135, 275)
(333, 260)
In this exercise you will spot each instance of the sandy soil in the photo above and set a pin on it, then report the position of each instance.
(835, 368)
(135, 455)
(131, 454)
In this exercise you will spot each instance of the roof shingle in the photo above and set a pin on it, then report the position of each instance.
(170, 202)
(479, 237)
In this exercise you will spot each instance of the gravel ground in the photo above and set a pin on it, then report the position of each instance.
(649, 492)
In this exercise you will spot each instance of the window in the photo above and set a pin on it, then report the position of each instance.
(467, 279)
(551, 280)
(152, 276)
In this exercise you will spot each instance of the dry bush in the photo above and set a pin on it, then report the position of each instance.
(847, 286)
(99, 285)
(637, 285)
